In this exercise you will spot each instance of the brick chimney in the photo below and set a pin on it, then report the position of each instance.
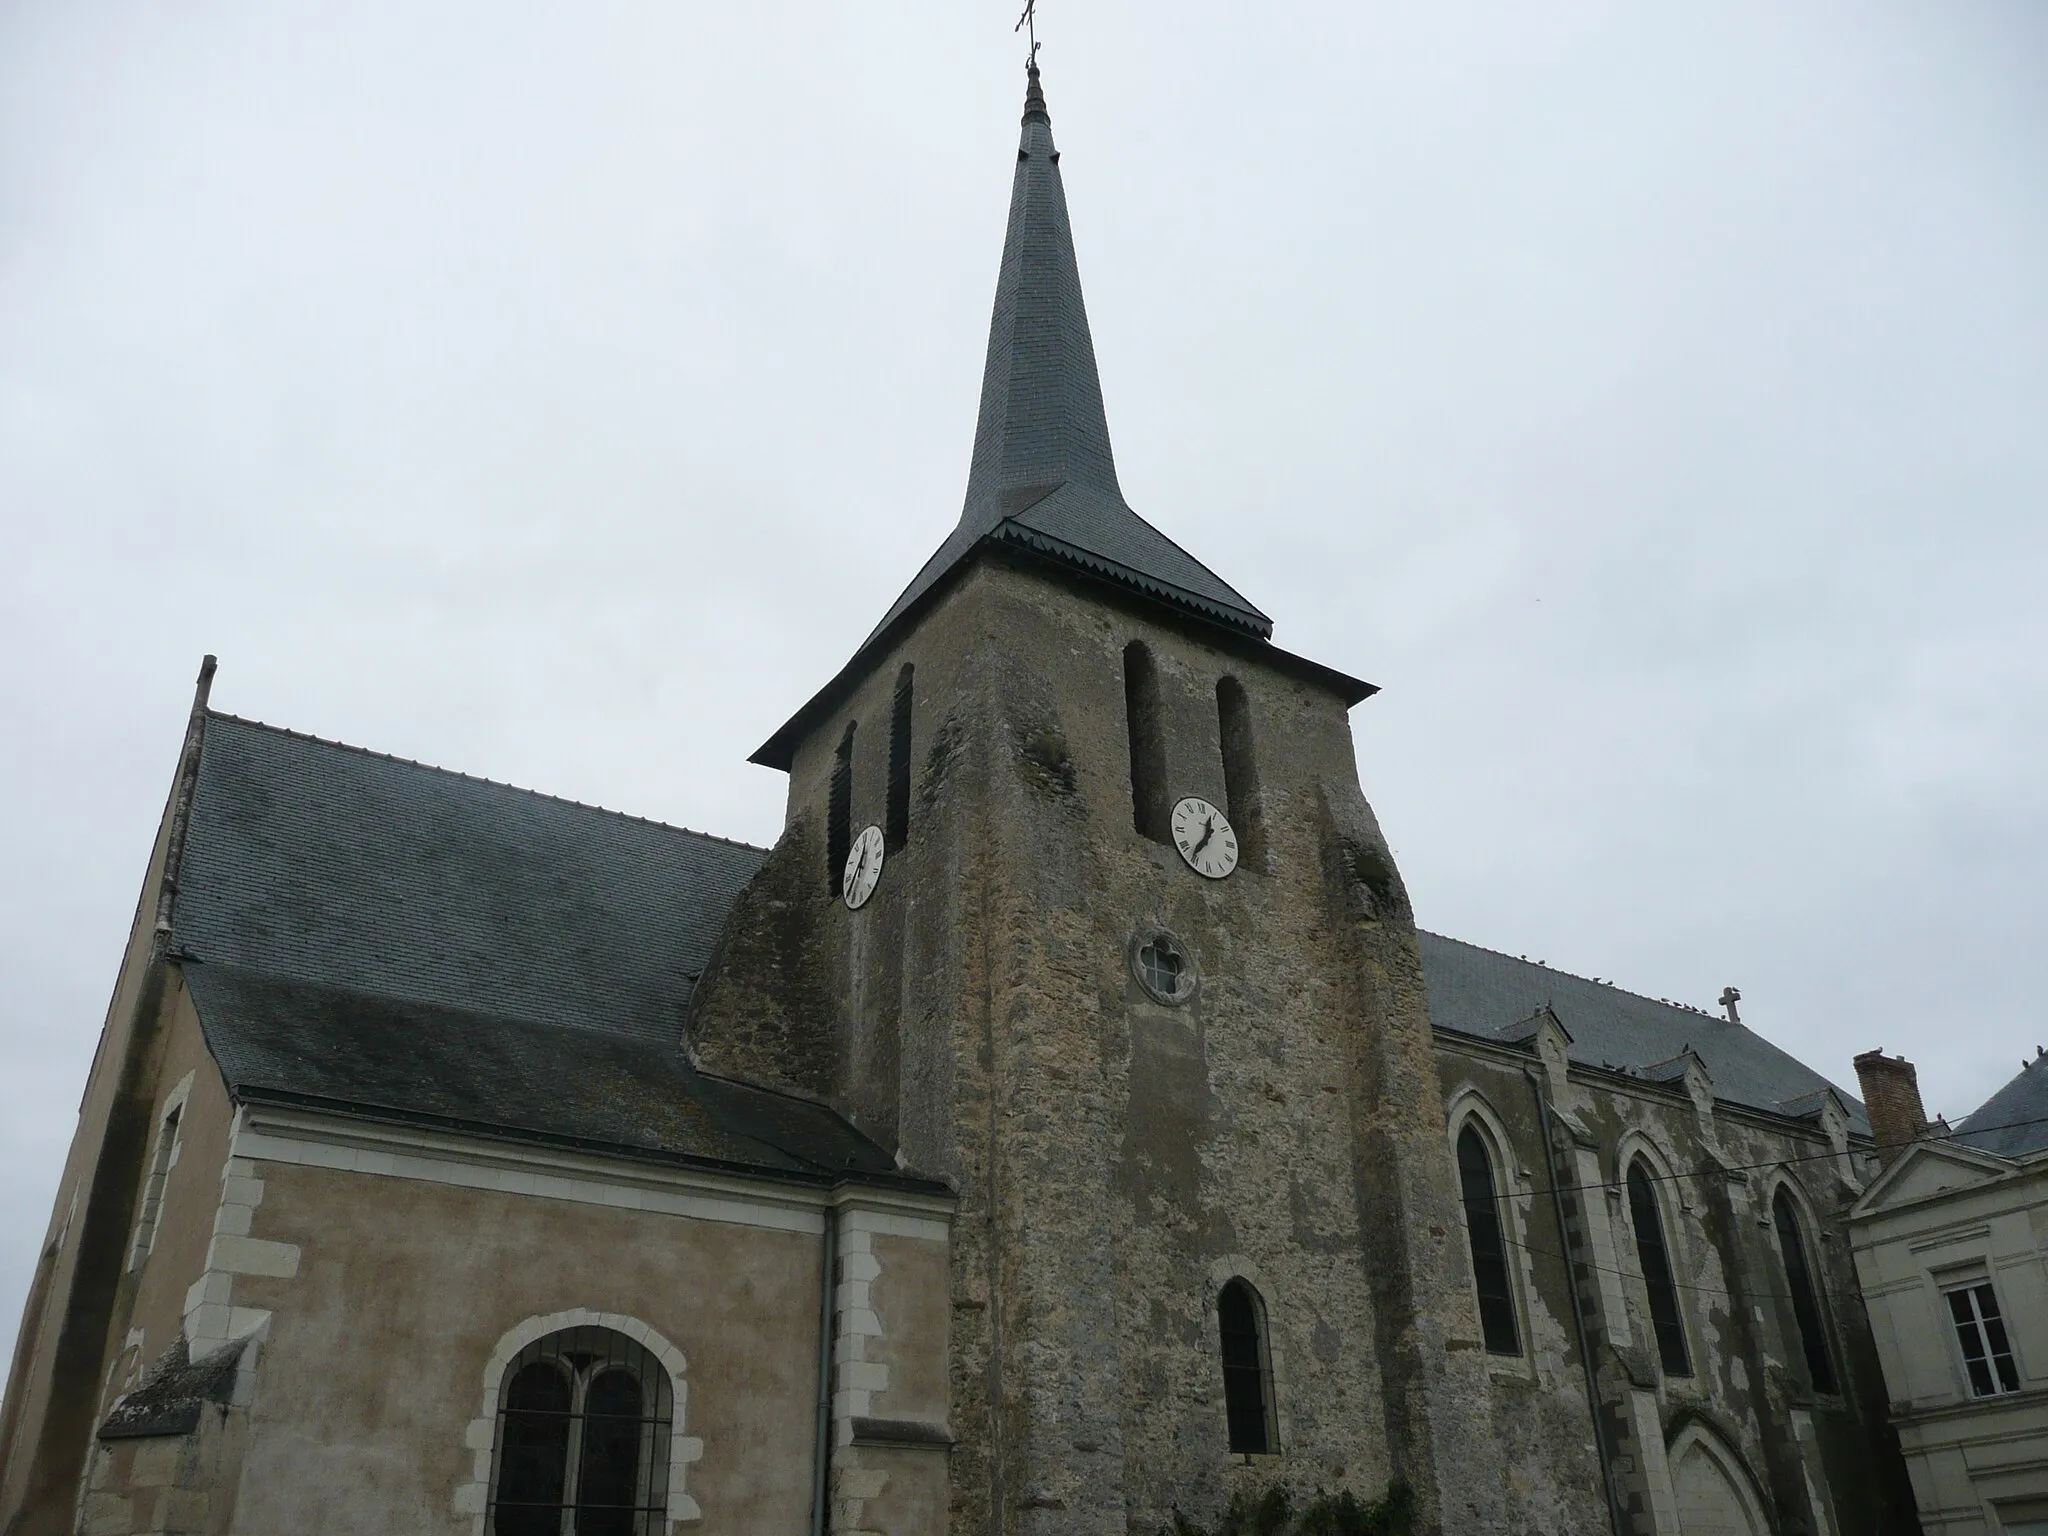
(1891, 1092)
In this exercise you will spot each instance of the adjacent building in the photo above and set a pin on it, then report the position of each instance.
(1951, 1245)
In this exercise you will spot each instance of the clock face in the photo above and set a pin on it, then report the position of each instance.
(863, 868)
(1203, 835)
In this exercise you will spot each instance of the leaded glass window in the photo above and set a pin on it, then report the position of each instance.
(583, 1439)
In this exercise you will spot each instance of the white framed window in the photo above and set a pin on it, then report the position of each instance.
(582, 1444)
(162, 1160)
(1981, 1335)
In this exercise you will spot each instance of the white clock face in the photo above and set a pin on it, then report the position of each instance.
(1203, 835)
(863, 868)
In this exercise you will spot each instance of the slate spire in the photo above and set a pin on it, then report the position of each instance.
(1041, 420)
(1042, 474)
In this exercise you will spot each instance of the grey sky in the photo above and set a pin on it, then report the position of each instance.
(1652, 399)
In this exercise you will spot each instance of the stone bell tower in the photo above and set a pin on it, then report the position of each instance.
(1159, 1091)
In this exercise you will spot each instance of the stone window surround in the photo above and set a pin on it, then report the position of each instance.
(150, 1206)
(1811, 1231)
(1679, 1246)
(1969, 1278)
(480, 1435)
(1470, 1106)
(1235, 1266)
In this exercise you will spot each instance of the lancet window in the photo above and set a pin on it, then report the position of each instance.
(1247, 1370)
(1484, 1231)
(1820, 1369)
(1655, 1258)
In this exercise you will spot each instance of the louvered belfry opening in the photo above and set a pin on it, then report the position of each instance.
(1247, 1402)
(896, 824)
(584, 1419)
(1148, 742)
(1655, 1259)
(839, 813)
(1240, 771)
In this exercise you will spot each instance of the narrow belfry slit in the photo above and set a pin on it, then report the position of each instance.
(839, 813)
(1148, 742)
(896, 825)
(1240, 772)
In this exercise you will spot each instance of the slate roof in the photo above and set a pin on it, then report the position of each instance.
(362, 932)
(367, 933)
(175, 1390)
(2013, 1122)
(321, 862)
(1043, 475)
(1474, 991)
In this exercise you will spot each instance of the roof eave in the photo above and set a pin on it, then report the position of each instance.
(779, 750)
(382, 1114)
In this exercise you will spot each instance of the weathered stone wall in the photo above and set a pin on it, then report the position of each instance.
(1119, 1159)
(1817, 1462)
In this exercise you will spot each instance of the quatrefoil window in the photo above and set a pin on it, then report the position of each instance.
(1162, 965)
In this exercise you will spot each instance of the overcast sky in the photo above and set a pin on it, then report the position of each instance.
(1653, 399)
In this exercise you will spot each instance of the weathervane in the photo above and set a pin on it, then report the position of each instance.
(1028, 25)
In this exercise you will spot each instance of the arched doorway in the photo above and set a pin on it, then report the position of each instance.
(1712, 1489)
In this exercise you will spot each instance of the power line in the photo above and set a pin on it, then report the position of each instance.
(1723, 1170)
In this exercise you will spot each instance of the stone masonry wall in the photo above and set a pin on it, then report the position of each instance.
(1818, 1462)
(1119, 1159)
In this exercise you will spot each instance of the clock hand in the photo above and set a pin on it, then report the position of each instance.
(1208, 831)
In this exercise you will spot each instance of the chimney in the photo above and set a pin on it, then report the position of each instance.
(1891, 1092)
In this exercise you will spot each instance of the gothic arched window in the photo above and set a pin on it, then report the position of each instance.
(1489, 1245)
(1247, 1374)
(1655, 1259)
(583, 1439)
(1805, 1301)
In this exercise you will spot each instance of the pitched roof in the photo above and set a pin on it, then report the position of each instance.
(321, 862)
(1476, 991)
(362, 931)
(2013, 1122)
(1043, 475)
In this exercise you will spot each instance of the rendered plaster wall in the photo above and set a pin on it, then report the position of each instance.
(1821, 1463)
(44, 1434)
(374, 1362)
(145, 1300)
(1967, 1455)
(1118, 1159)
(890, 1375)
(152, 1306)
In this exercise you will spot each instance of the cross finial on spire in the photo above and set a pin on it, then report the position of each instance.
(1028, 25)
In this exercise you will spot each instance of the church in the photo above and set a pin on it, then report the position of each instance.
(1064, 1127)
